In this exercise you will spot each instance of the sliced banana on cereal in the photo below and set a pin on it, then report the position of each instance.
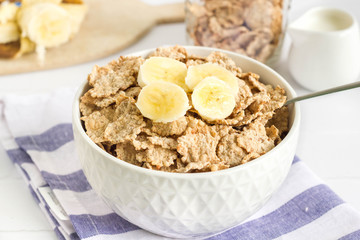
(163, 69)
(198, 72)
(162, 101)
(213, 99)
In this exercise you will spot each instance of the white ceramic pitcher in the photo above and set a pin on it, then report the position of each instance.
(325, 50)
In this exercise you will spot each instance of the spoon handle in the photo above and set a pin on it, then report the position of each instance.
(324, 92)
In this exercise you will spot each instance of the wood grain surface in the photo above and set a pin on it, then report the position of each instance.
(109, 26)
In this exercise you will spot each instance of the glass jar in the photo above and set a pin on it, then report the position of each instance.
(254, 28)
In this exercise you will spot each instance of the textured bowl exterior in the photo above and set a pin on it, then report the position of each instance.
(184, 205)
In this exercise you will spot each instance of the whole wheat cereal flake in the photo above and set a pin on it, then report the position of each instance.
(240, 147)
(127, 65)
(176, 127)
(125, 128)
(87, 98)
(198, 147)
(242, 98)
(222, 60)
(105, 82)
(101, 101)
(141, 142)
(157, 156)
(229, 151)
(232, 120)
(277, 98)
(126, 106)
(280, 120)
(117, 75)
(249, 117)
(253, 138)
(127, 122)
(273, 133)
(223, 130)
(133, 92)
(252, 80)
(197, 125)
(147, 128)
(95, 125)
(108, 112)
(194, 62)
(127, 153)
(176, 52)
(254, 109)
(164, 142)
(264, 118)
(257, 102)
(104, 102)
(86, 109)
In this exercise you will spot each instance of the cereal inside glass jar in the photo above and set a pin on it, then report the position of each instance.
(254, 28)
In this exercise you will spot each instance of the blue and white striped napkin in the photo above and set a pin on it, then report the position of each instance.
(40, 143)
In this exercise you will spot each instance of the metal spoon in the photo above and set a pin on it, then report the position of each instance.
(324, 92)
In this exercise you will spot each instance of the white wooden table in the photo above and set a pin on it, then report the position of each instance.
(329, 139)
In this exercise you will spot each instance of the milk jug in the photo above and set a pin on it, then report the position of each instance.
(325, 50)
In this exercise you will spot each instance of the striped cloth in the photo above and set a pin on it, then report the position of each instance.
(40, 143)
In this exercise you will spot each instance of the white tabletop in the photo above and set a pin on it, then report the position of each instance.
(329, 139)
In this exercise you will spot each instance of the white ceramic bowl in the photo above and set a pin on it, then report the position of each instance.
(184, 205)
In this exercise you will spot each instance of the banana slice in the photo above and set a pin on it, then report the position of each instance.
(162, 101)
(8, 12)
(46, 24)
(9, 32)
(198, 72)
(26, 46)
(213, 99)
(163, 69)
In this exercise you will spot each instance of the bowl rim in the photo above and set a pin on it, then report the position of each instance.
(76, 122)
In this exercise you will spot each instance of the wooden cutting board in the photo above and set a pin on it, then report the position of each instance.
(110, 26)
